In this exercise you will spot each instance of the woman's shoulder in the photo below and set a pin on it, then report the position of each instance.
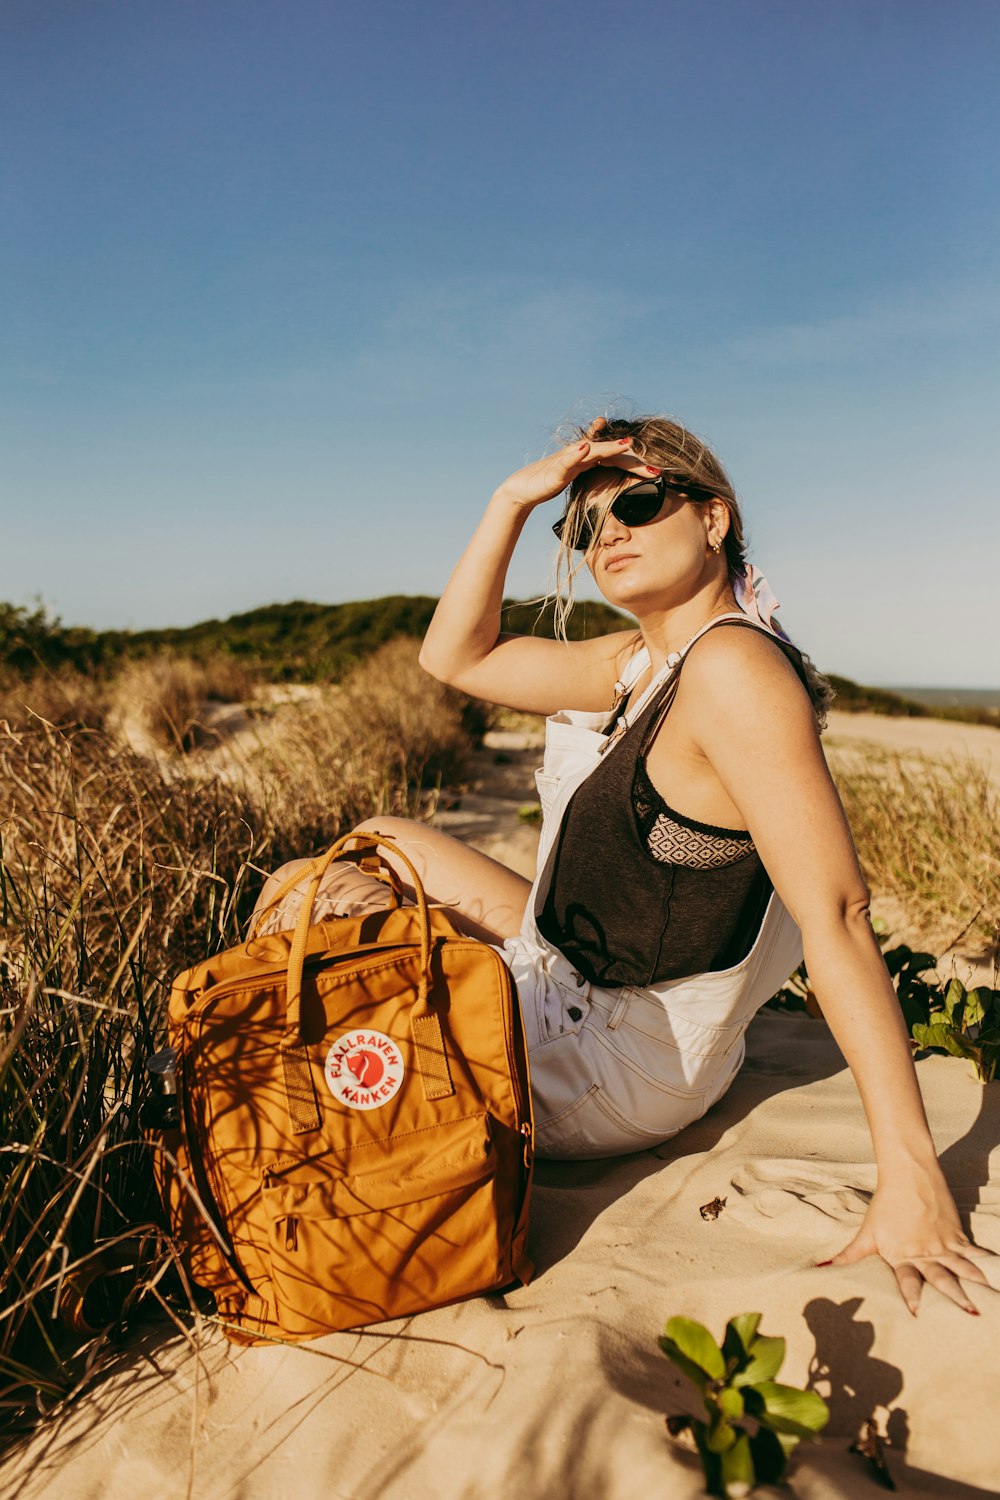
(737, 662)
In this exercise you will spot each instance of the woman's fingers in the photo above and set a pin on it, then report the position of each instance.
(948, 1283)
(549, 476)
(945, 1273)
(961, 1265)
(593, 453)
(967, 1247)
(861, 1246)
(911, 1284)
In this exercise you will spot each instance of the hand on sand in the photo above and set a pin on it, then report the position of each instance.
(549, 476)
(916, 1230)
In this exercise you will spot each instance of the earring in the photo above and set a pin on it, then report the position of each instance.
(716, 547)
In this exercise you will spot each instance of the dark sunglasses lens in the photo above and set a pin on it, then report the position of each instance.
(638, 505)
(583, 538)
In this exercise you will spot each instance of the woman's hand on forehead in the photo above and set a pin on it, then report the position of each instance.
(549, 476)
(622, 457)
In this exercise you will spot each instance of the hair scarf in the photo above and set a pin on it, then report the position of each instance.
(755, 598)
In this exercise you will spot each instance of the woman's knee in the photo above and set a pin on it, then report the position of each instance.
(396, 828)
(277, 877)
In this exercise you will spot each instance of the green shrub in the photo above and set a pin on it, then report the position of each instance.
(751, 1425)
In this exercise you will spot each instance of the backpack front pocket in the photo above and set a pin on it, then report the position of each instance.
(387, 1229)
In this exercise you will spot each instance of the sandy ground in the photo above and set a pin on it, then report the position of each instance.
(557, 1390)
(939, 738)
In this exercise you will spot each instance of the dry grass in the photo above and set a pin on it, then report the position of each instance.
(118, 869)
(165, 696)
(61, 697)
(928, 833)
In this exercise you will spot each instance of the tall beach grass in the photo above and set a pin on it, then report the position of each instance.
(928, 834)
(118, 869)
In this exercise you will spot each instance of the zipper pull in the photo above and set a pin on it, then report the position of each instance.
(291, 1234)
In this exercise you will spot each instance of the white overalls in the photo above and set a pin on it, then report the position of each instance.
(619, 1070)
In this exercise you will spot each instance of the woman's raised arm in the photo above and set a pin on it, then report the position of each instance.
(464, 645)
(777, 776)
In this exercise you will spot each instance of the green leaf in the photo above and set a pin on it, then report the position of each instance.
(787, 1409)
(738, 1474)
(740, 1332)
(721, 1436)
(916, 1011)
(770, 1455)
(954, 997)
(697, 1345)
(940, 1034)
(976, 1006)
(730, 1403)
(764, 1364)
(686, 1366)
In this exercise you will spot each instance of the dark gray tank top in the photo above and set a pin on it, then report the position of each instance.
(621, 915)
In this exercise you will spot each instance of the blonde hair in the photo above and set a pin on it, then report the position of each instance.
(671, 448)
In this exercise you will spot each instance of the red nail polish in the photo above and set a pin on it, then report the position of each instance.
(583, 447)
(824, 1263)
(651, 470)
(624, 442)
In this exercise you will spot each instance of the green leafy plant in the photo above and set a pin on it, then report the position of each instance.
(966, 1023)
(946, 1017)
(939, 1017)
(752, 1424)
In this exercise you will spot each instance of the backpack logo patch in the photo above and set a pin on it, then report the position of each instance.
(364, 1069)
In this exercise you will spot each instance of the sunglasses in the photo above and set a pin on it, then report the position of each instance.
(637, 506)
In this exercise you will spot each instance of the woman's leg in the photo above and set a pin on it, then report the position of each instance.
(490, 897)
(345, 891)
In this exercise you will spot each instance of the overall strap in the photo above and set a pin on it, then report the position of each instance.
(619, 721)
(676, 661)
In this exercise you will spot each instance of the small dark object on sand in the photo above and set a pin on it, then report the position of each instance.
(870, 1445)
(713, 1210)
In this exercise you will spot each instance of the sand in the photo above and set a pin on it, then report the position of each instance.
(945, 739)
(557, 1390)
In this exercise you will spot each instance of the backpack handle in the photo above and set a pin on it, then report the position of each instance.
(425, 1023)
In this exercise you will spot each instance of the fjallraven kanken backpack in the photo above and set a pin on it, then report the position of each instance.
(356, 1137)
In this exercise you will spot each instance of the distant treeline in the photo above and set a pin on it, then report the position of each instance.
(855, 699)
(296, 642)
(303, 642)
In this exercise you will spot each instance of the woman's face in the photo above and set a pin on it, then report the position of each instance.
(660, 564)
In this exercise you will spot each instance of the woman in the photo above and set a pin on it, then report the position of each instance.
(693, 844)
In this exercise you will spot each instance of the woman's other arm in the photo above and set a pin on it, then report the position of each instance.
(777, 775)
(464, 645)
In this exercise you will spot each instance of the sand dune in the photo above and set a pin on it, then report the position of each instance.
(945, 738)
(557, 1390)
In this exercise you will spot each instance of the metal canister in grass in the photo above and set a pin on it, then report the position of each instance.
(161, 1110)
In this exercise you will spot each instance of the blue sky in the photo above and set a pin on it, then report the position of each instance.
(289, 289)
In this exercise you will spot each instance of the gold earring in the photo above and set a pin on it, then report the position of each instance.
(716, 547)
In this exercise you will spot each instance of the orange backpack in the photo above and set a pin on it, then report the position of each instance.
(356, 1135)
